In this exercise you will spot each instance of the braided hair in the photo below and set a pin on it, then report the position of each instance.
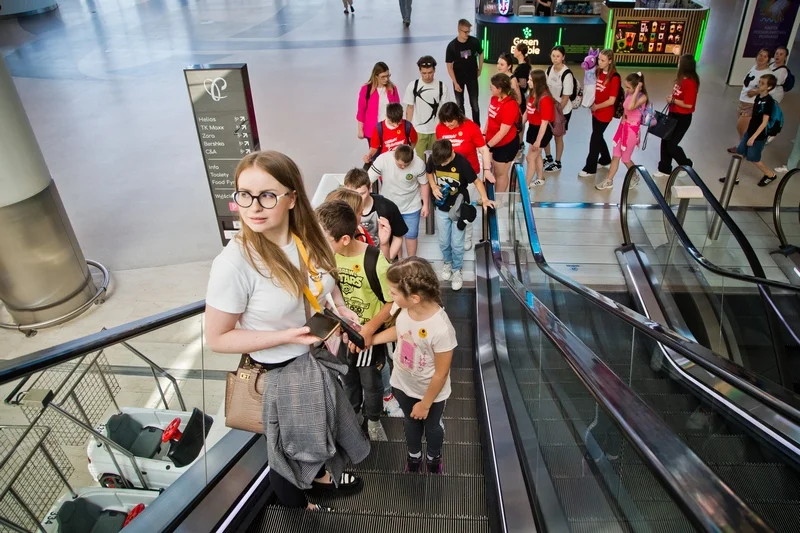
(414, 275)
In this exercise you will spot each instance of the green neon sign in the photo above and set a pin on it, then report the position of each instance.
(560, 32)
(702, 37)
(610, 29)
(527, 32)
(485, 43)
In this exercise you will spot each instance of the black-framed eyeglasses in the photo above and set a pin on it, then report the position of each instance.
(267, 200)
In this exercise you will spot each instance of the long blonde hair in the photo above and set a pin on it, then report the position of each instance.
(373, 83)
(302, 222)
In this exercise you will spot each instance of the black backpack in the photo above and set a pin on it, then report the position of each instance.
(574, 94)
(619, 103)
(435, 106)
(788, 84)
(407, 125)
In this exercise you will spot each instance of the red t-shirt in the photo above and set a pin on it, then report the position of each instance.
(686, 91)
(392, 137)
(605, 90)
(546, 111)
(505, 111)
(466, 139)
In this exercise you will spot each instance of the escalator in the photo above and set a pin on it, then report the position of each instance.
(785, 217)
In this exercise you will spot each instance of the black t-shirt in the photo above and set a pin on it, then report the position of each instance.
(761, 107)
(381, 207)
(522, 72)
(457, 174)
(464, 57)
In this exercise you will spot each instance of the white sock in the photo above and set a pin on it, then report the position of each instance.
(415, 455)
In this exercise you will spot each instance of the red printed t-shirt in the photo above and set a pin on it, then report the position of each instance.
(466, 139)
(605, 89)
(505, 111)
(392, 137)
(546, 111)
(686, 91)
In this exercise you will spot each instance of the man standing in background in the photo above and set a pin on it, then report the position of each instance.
(464, 59)
(422, 98)
(405, 11)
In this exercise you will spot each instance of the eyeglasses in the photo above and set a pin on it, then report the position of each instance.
(267, 200)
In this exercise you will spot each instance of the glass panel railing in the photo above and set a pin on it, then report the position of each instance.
(94, 436)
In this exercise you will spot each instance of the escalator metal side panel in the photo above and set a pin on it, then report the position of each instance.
(506, 468)
(788, 259)
(759, 418)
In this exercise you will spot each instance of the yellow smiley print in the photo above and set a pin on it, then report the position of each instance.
(422, 333)
(452, 169)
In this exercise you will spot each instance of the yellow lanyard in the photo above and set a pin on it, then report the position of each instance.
(315, 276)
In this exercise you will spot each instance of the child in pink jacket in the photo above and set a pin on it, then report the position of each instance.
(373, 98)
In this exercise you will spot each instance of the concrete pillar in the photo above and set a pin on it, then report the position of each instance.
(43, 274)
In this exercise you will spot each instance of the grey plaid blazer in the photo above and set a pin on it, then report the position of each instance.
(309, 421)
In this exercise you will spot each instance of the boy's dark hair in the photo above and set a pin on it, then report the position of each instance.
(441, 151)
(356, 178)
(394, 112)
(464, 23)
(450, 112)
(337, 219)
(426, 62)
(772, 81)
(404, 153)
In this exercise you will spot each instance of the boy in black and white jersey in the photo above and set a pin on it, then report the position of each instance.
(423, 98)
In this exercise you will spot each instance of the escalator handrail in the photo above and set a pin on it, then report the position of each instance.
(693, 485)
(25, 365)
(759, 277)
(773, 395)
(776, 205)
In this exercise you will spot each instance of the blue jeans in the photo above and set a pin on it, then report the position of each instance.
(451, 240)
(405, 10)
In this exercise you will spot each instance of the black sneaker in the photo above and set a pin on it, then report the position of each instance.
(352, 9)
(766, 180)
(548, 159)
(722, 180)
(413, 463)
(434, 465)
(345, 11)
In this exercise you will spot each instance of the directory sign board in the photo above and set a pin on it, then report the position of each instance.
(226, 127)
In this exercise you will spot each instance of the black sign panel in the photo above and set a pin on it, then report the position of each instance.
(649, 36)
(226, 127)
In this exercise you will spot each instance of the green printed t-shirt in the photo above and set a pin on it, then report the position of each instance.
(355, 286)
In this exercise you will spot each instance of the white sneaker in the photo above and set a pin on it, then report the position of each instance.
(468, 237)
(376, 431)
(605, 184)
(392, 407)
(659, 174)
(783, 169)
(584, 174)
(458, 281)
(447, 272)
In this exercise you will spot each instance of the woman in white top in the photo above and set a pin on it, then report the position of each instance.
(257, 280)
(561, 84)
(749, 92)
(780, 71)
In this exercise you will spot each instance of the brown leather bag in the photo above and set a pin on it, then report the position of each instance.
(244, 396)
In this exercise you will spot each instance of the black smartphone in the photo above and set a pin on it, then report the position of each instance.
(352, 335)
(322, 326)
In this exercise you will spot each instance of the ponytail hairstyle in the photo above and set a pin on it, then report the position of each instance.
(502, 82)
(635, 78)
(267, 257)
(509, 59)
(539, 85)
(612, 66)
(522, 48)
(687, 69)
(414, 275)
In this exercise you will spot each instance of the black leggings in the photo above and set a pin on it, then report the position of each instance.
(470, 86)
(598, 149)
(670, 148)
(432, 426)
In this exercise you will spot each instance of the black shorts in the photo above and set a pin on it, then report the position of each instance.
(507, 152)
(566, 120)
(533, 132)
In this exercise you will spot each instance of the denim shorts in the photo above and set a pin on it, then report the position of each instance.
(751, 153)
(412, 221)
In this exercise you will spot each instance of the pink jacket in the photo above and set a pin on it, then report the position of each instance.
(368, 111)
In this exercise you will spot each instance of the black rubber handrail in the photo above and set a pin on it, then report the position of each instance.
(776, 205)
(769, 393)
(759, 277)
(26, 365)
(707, 501)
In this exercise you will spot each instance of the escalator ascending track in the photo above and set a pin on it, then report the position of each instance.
(394, 500)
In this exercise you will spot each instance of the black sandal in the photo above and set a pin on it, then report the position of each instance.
(347, 483)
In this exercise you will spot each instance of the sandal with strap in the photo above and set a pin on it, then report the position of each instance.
(347, 483)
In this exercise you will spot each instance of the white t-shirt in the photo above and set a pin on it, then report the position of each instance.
(417, 342)
(383, 101)
(753, 76)
(426, 104)
(781, 73)
(235, 287)
(554, 84)
(401, 186)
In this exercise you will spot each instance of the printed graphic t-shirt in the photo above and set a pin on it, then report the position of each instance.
(546, 110)
(400, 185)
(458, 174)
(417, 342)
(466, 139)
(426, 103)
(357, 293)
(381, 207)
(464, 57)
(686, 91)
(505, 111)
(392, 137)
(606, 88)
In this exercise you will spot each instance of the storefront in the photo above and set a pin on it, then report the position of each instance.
(651, 34)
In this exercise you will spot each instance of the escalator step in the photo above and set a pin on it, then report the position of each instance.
(725, 449)
(565, 461)
(390, 457)
(455, 430)
(583, 499)
(462, 390)
(461, 375)
(414, 494)
(781, 516)
(768, 483)
(460, 408)
(282, 519)
(650, 526)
